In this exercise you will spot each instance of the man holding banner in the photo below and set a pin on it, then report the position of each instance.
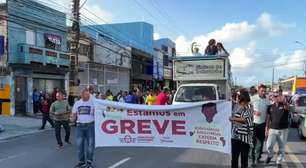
(83, 114)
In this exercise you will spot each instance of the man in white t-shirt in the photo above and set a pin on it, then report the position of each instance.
(259, 103)
(83, 114)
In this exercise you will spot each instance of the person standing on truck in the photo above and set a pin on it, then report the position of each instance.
(221, 51)
(259, 104)
(211, 49)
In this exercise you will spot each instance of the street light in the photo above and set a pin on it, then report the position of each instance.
(302, 44)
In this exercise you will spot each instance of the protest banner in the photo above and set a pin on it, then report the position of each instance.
(199, 125)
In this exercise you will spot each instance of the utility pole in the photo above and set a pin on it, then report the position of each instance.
(75, 34)
(272, 82)
(302, 44)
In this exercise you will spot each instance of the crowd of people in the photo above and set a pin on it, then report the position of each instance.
(136, 96)
(257, 117)
(57, 111)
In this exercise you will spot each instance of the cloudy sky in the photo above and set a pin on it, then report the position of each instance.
(259, 34)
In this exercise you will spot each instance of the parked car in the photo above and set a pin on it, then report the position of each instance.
(297, 107)
(302, 125)
(1, 128)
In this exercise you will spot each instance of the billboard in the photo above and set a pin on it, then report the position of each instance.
(199, 70)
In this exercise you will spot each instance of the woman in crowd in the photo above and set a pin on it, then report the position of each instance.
(151, 98)
(242, 130)
(45, 109)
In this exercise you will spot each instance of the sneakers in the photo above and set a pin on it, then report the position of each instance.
(278, 165)
(268, 160)
(89, 164)
(59, 147)
(80, 165)
(68, 142)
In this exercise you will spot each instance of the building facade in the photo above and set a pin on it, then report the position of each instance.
(139, 37)
(108, 65)
(168, 49)
(37, 52)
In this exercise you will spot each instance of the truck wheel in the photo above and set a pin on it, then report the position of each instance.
(300, 128)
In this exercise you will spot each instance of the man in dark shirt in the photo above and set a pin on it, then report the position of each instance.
(277, 127)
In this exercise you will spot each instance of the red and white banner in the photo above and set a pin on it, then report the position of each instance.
(199, 125)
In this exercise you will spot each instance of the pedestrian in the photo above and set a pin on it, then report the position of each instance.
(131, 98)
(162, 97)
(259, 104)
(36, 100)
(242, 130)
(151, 98)
(122, 98)
(45, 110)
(109, 95)
(277, 128)
(83, 114)
(211, 49)
(139, 97)
(171, 96)
(253, 91)
(61, 111)
(55, 90)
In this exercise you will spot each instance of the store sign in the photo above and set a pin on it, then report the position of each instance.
(112, 81)
(168, 73)
(54, 38)
(199, 70)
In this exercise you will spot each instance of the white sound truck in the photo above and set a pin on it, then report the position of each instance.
(201, 78)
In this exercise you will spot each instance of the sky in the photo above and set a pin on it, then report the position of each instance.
(258, 34)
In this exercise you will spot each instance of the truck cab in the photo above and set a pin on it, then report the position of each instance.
(195, 92)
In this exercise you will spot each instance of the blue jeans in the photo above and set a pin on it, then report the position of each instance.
(280, 137)
(85, 137)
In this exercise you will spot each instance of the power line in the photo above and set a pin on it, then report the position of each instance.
(147, 11)
(161, 10)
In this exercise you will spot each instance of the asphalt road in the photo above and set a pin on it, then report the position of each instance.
(39, 151)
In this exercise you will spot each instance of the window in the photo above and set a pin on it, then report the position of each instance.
(195, 93)
(53, 41)
(30, 37)
(84, 50)
(166, 60)
(165, 48)
(173, 52)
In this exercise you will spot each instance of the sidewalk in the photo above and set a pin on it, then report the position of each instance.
(19, 126)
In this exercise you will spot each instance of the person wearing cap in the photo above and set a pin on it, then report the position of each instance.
(277, 127)
(259, 105)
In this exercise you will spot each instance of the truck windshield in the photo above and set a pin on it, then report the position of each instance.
(302, 101)
(195, 93)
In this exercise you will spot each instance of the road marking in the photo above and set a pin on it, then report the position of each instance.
(120, 162)
(293, 158)
(11, 157)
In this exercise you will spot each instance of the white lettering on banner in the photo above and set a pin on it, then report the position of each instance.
(185, 126)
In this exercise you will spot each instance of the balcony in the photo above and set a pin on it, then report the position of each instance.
(29, 53)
